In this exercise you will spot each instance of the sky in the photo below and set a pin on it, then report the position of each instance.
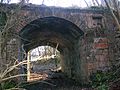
(59, 3)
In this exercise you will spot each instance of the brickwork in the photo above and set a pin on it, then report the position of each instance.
(92, 50)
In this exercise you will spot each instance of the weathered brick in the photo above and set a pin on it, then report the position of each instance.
(100, 45)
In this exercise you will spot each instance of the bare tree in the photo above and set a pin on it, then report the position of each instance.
(116, 7)
(8, 19)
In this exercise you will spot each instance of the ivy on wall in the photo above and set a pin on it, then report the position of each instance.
(3, 19)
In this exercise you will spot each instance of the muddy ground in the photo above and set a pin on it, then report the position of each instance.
(55, 81)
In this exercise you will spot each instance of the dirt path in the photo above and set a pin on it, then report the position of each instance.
(56, 84)
(56, 81)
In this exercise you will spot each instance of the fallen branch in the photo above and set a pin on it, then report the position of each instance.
(11, 77)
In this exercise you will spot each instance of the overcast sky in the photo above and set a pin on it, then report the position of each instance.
(61, 3)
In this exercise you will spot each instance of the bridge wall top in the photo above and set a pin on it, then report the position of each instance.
(83, 18)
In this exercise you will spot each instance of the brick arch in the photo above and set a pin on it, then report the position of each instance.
(48, 28)
(55, 30)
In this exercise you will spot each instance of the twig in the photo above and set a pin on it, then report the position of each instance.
(117, 7)
(93, 2)
(56, 48)
(19, 75)
(86, 3)
(9, 69)
(97, 2)
(115, 18)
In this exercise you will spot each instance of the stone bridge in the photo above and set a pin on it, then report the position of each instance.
(83, 36)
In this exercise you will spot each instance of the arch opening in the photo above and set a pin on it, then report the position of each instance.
(43, 61)
(52, 31)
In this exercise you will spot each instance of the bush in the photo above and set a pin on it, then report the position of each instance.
(99, 80)
(8, 84)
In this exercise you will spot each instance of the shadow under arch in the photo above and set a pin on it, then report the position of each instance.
(52, 31)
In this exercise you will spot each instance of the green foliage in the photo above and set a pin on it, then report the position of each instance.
(57, 59)
(100, 80)
(2, 18)
(8, 84)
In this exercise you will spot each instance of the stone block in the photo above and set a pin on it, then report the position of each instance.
(100, 45)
